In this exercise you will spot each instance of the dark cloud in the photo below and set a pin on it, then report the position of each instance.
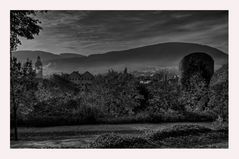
(89, 32)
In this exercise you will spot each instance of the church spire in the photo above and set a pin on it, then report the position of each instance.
(38, 67)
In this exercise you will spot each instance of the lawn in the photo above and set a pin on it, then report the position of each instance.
(81, 136)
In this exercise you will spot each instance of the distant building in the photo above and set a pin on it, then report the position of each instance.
(145, 82)
(162, 76)
(84, 81)
(38, 68)
(75, 77)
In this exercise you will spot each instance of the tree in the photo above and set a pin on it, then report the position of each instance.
(218, 93)
(144, 101)
(164, 94)
(118, 93)
(219, 99)
(22, 24)
(23, 86)
(125, 70)
(195, 97)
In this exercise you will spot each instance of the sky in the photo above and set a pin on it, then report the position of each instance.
(94, 32)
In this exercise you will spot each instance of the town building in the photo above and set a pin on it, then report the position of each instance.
(84, 81)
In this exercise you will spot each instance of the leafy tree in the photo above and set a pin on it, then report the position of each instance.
(120, 94)
(144, 92)
(43, 93)
(219, 99)
(195, 97)
(125, 70)
(218, 93)
(23, 87)
(22, 24)
(164, 96)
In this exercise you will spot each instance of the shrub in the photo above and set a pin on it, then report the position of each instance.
(60, 111)
(179, 130)
(203, 140)
(178, 136)
(219, 99)
(204, 116)
(117, 141)
(195, 97)
(165, 116)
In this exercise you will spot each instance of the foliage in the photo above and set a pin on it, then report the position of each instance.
(23, 86)
(56, 86)
(117, 141)
(198, 63)
(177, 136)
(195, 97)
(119, 97)
(164, 96)
(179, 130)
(43, 93)
(218, 93)
(63, 111)
(22, 24)
(219, 99)
(115, 97)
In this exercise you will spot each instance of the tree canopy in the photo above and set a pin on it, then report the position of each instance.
(22, 24)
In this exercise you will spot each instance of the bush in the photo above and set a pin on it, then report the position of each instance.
(117, 141)
(178, 136)
(219, 99)
(204, 116)
(195, 96)
(165, 116)
(160, 117)
(60, 111)
(179, 130)
(203, 140)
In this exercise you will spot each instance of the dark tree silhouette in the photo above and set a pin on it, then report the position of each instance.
(22, 24)
(198, 63)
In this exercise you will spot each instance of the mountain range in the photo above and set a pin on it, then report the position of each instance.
(146, 58)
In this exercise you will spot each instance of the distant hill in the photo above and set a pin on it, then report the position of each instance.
(163, 55)
(70, 55)
(32, 55)
(45, 56)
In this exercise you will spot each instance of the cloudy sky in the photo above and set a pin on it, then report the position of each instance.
(91, 32)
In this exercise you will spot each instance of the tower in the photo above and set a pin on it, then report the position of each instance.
(38, 67)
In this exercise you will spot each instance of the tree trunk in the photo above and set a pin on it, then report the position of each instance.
(15, 121)
(14, 104)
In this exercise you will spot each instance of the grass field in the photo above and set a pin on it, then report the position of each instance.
(81, 136)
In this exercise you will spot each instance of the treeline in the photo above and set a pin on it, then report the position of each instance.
(119, 97)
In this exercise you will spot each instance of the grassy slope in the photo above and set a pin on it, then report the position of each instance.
(81, 136)
(177, 136)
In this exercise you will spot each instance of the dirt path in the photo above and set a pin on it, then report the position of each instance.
(79, 136)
